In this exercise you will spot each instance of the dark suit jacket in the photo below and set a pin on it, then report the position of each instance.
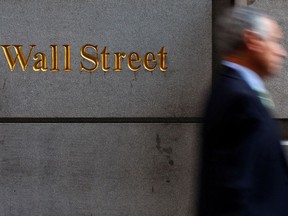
(244, 172)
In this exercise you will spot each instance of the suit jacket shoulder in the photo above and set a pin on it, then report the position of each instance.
(244, 171)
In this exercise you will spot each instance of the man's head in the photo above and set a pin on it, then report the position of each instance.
(252, 39)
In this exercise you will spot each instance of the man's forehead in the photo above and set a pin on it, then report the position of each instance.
(273, 27)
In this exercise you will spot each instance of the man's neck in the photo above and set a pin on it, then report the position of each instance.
(244, 61)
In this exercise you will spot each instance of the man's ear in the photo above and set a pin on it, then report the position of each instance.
(253, 41)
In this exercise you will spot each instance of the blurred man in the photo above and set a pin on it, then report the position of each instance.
(244, 172)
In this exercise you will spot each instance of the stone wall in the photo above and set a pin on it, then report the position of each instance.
(103, 143)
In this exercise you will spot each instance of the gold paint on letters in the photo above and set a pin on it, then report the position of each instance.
(89, 57)
(67, 58)
(41, 64)
(162, 55)
(104, 57)
(19, 55)
(147, 60)
(54, 58)
(133, 57)
(88, 52)
(118, 62)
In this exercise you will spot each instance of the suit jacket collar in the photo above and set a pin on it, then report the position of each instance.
(249, 76)
(230, 72)
(234, 74)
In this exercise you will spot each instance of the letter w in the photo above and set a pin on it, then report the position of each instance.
(19, 55)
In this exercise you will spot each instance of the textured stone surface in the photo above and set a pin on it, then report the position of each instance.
(182, 27)
(278, 85)
(98, 169)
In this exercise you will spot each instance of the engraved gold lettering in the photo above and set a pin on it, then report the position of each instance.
(104, 57)
(133, 57)
(89, 57)
(67, 58)
(146, 61)
(19, 55)
(118, 62)
(54, 58)
(162, 55)
(41, 64)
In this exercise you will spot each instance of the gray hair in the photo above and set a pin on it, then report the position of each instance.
(230, 27)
